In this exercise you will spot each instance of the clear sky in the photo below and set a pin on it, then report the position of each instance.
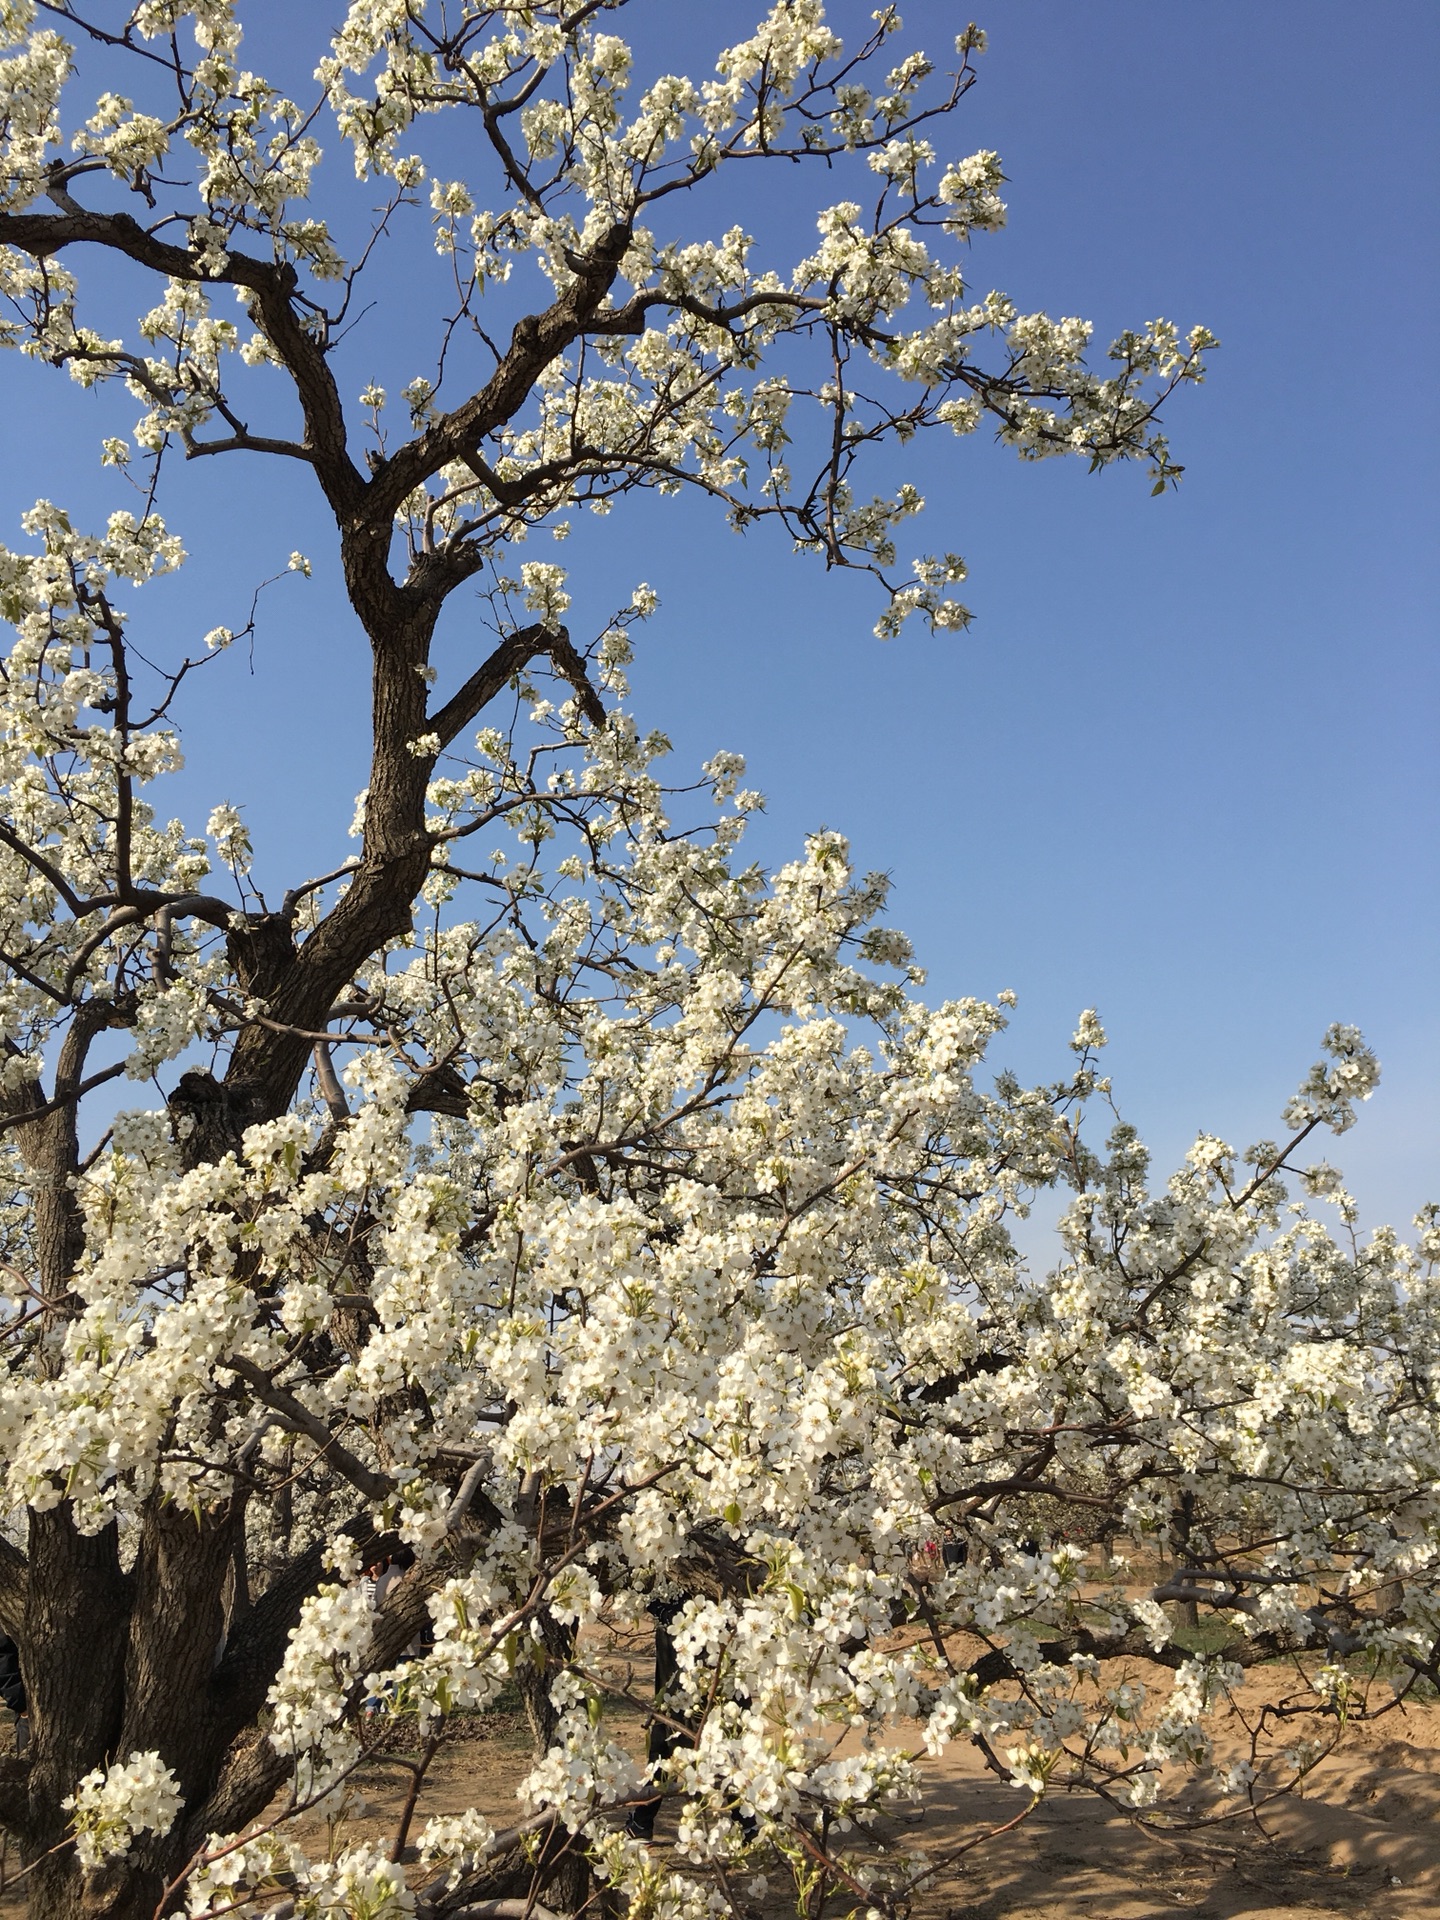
(1183, 768)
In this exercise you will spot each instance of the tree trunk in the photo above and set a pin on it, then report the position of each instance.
(76, 1622)
(120, 1661)
(562, 1872)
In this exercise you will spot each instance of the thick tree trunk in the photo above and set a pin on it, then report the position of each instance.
(76, 1622)
(562, 1872)
(119, 1661)
(266, 1066)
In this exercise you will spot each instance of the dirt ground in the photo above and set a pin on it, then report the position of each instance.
(1362, 1839)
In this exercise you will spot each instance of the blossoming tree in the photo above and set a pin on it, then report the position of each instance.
(588, 1221)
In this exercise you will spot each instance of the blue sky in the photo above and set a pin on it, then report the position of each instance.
(1183, 767)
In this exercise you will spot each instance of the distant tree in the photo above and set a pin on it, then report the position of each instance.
(653, 1234)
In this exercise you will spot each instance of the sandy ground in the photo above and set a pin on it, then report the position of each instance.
(1362, 1839)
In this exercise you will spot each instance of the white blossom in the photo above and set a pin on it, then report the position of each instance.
(114, 1805)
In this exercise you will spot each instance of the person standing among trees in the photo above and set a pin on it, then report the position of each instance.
(664, 1735)
(12, 1689)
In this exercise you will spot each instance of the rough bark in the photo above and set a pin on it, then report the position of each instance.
(162, 1656)
(76, 1624)
(561, 1870)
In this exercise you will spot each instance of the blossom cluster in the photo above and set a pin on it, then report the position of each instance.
(660, 379)
(637, 1240)
(714, 1268)
(113, 1805)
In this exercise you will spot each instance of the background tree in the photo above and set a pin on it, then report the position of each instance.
(676, 1289)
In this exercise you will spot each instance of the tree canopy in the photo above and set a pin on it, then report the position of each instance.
(544, 1202)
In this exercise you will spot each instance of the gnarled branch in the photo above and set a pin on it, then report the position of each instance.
(511, 657)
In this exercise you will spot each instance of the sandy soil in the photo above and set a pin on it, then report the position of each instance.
(1362, 1839)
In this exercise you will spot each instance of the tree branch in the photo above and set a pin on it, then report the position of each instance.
(248, 443)
(537, 339)
(298, 1417)
(11, 839)
(509, 658)
(71, 1097)
(273, 285)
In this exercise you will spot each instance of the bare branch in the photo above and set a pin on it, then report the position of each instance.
(509, 658)
(297, 1416)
